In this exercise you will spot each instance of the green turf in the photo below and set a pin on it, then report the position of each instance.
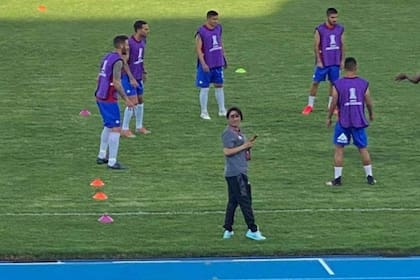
(174, 193)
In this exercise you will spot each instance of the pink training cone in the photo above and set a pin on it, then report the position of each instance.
(105, 219)
(84, 113)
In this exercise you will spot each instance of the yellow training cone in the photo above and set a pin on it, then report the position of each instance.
(240, 70)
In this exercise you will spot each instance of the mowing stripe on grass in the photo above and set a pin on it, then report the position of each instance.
(210, 212)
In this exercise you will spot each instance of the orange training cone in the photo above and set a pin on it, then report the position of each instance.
(97, 183)
(100, 196)
(42, 8)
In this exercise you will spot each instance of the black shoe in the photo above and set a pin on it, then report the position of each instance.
(371, 180)
(101, 160)
(117, 166)
(335, 182)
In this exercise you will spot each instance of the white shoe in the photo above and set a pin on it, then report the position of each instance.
(205, 116)
(227, 234)
(222, 113)
(255, 235)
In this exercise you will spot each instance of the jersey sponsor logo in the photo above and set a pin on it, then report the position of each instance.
(333, 44)
(102, 73)
(139, 57)
(216, 45)
(353, 98)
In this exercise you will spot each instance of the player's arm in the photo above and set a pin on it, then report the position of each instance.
(224, 54)
(343, 50)
(223, 48)
(144, 78)
(333, 106)
(245, 146)
(125, 58)
(200, 54)
(127, 70)
(116, 81)
(369, 104)
(317, 42)
(415, 79)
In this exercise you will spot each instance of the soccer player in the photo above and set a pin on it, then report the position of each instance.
(350, 94)
(236, 149)
(108, 88)
(210, 63)
(415, 79)
(133, 78)
(329, 56)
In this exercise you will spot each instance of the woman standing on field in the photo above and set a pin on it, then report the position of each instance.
(236, 149)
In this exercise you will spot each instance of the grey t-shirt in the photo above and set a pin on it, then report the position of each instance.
(235, 164)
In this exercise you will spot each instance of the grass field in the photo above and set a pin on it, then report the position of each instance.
(170, 202)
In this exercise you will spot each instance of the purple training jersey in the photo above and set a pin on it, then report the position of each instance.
(351, 101)
(135, 61)
(330, 44)
(212, 45)
(105, 89)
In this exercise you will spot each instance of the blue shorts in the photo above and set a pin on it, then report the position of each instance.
(342, 136)
(110, 113)
(204, 79)
(320, 74)
(129, 89)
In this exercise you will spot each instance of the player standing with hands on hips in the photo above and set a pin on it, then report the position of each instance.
(329, 56)
(210, 63)
(350, 94)
(236, 149)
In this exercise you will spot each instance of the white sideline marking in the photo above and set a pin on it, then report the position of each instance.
(326, 267)
(162, 261)
(335, 278)
(209, 212)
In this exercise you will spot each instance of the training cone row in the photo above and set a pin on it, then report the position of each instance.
(100, 195)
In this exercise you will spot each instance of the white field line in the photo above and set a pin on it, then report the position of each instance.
(163, 261)
(326, 267)
(209, 212)
(334, 278)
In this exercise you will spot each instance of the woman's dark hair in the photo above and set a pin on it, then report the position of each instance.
(236, 109)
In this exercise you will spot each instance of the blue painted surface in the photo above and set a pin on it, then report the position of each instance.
(334, 268)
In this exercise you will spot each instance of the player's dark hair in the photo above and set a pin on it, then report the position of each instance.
(236, 109)
(212, 13)
(119, 40)
(331, 11)
(350, 64)
(139, 25)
